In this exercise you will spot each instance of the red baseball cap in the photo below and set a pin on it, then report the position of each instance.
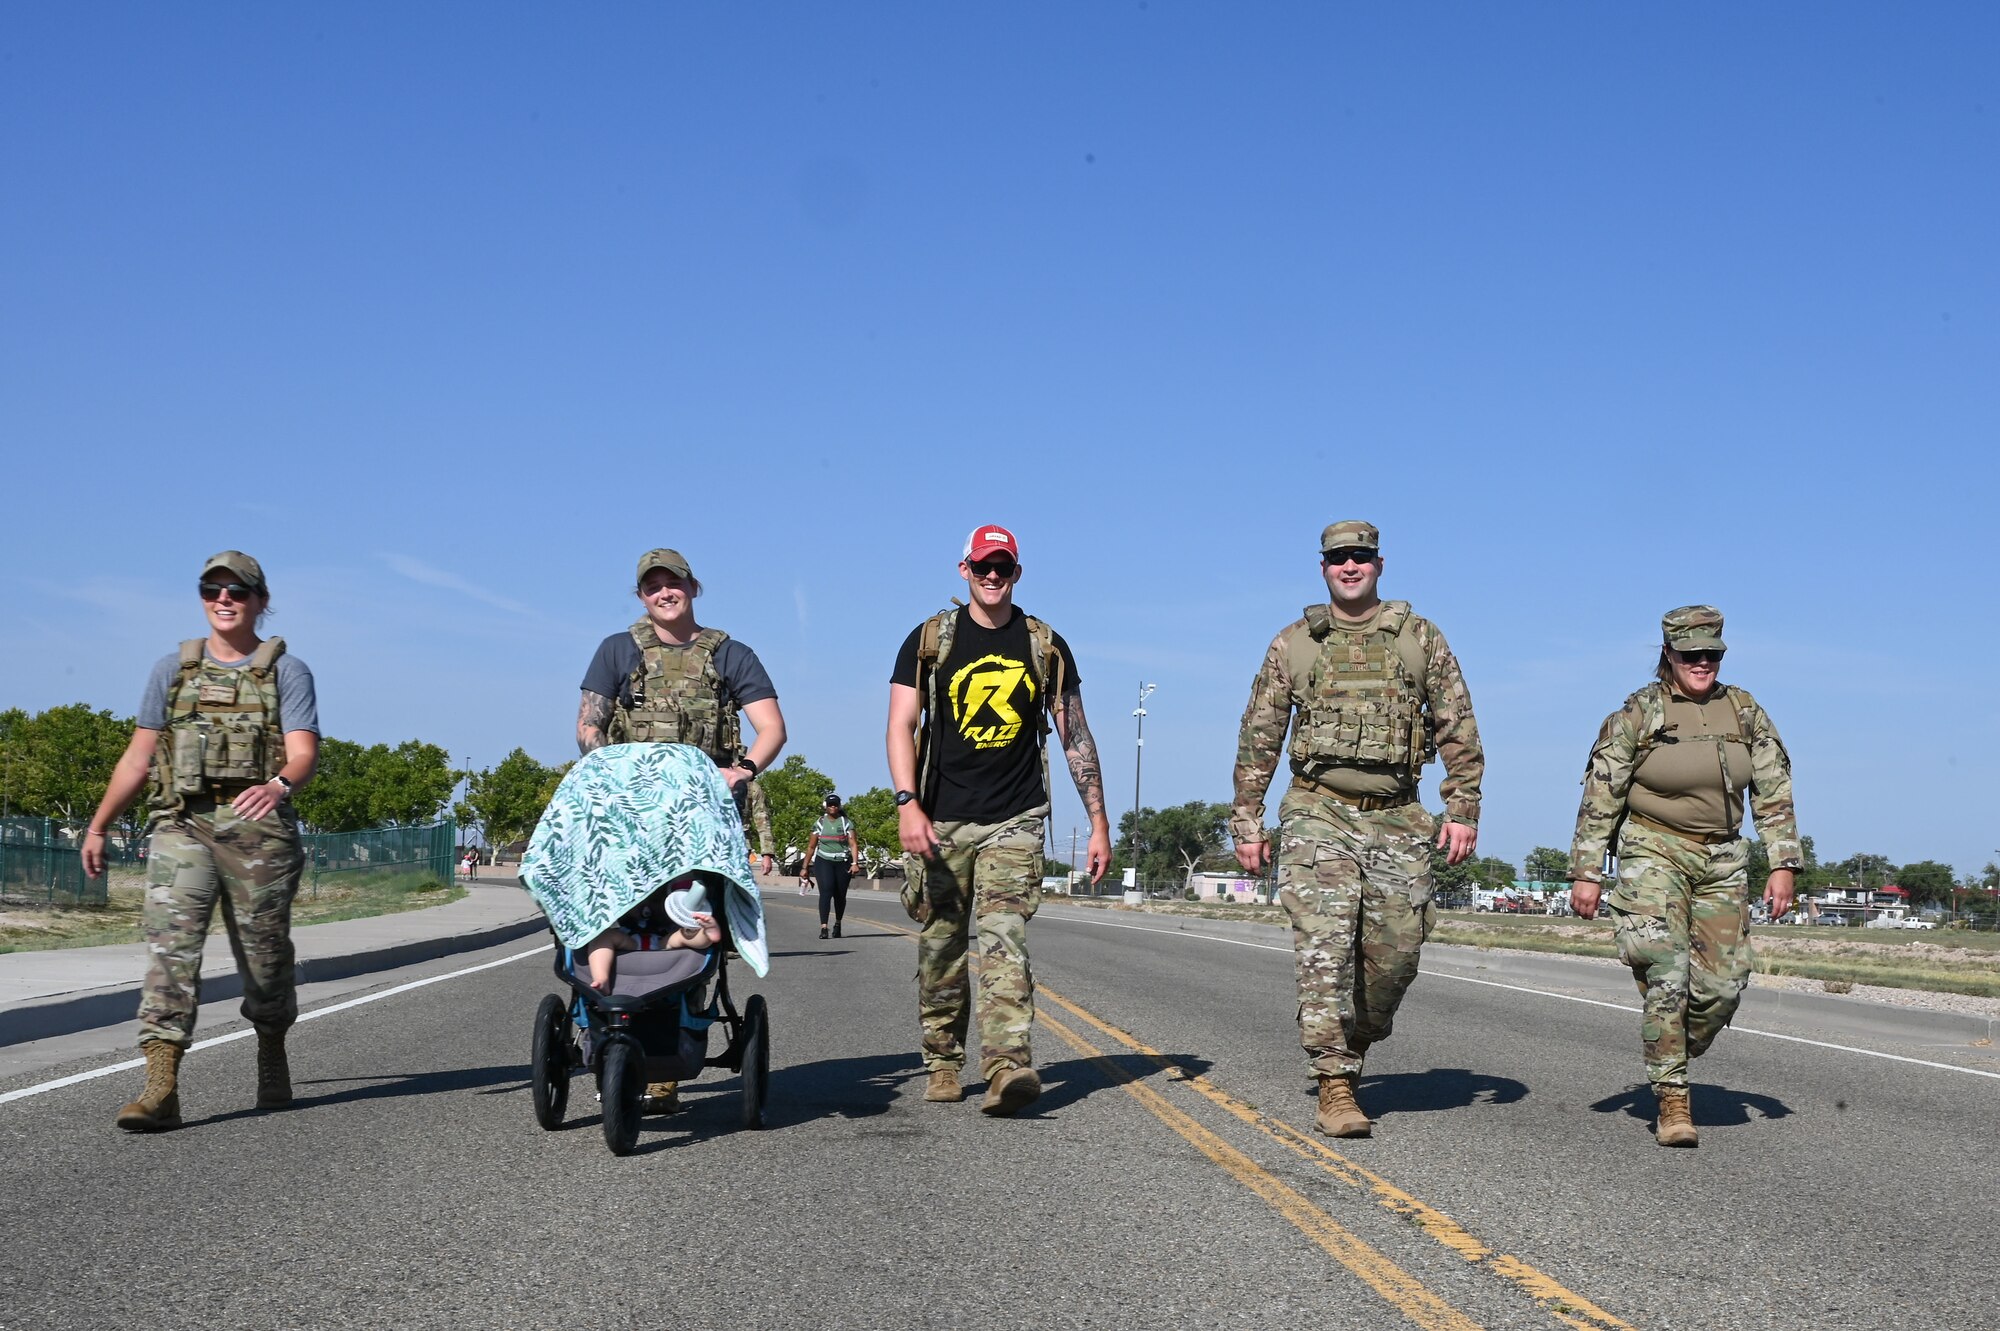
(990, 540)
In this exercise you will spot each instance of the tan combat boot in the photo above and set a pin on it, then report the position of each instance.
(274, 1073)
(1009, 1090)
(159, 1105)
(663, 1097)
(944, 1087)
(1339, 1115)
(1676, 1125)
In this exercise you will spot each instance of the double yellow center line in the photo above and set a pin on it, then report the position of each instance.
(1370, 1265)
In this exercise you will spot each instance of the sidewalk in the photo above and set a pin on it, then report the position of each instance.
(65, 990)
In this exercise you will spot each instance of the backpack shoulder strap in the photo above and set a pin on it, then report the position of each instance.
(1652, 703)
(1398, 619)
(191, 652)
(266, 655)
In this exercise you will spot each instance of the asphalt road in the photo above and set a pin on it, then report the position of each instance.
(1163, 1180)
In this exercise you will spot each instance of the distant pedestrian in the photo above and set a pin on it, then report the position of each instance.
(971, 700)
(1376, 692)
(831, 851)
(228, 730)
(1663, 792)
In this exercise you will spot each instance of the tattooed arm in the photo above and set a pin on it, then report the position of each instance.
(1080, 748)
(593, 714)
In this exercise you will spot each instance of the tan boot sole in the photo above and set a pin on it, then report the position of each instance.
(1019, 1088)
(134, 1118)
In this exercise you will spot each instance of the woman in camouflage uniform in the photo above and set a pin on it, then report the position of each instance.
(1665, 789)
(241, 733)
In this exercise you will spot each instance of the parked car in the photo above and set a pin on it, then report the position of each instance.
(1828, 917)
(1920, 924)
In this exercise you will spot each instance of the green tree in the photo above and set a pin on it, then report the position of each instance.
(1928, 882)
(796, 792)
(408, 784)
(355, 787)
(1451, 884)
(507, 800)
(1864, 871)
(875, 824)
(1174, 842)
(57, 763)
(336, 799)
(1546, 864)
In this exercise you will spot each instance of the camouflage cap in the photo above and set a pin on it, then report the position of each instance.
(1693, 627)
(673, 561)
(242, 565)
(1343, 535)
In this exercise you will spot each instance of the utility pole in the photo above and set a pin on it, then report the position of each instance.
(1138, 761)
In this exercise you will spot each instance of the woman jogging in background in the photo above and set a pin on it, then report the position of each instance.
(831, 852)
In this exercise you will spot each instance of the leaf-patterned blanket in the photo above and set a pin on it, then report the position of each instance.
(627, 818)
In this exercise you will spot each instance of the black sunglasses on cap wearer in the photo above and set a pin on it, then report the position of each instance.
(1347, 554)
(982, 568)
(1700, 656)
(238, 591)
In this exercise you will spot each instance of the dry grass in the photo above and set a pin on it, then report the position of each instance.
(1953, 961)
(347, 896)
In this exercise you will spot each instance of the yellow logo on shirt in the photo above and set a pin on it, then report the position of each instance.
(983, 700)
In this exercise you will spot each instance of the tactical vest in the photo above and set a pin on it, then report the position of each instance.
(677, 697)
(934, 646)
(1359, 694)
(1654, 730)
(223, 727)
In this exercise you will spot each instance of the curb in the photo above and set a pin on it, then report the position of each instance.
(70, 1013)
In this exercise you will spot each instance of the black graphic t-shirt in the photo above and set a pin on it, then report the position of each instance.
(988, 729)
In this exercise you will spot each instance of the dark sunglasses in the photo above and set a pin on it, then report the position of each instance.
(212, 591)
(985, 567)
(1700, 656)
(1347, 554)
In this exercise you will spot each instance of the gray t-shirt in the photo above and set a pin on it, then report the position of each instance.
(743, 676)
(298, 705)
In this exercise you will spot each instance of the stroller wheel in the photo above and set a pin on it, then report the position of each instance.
(756, 1059)
(549, 1063)
(620, 1084)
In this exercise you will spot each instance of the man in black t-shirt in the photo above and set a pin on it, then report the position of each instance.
(970, 708)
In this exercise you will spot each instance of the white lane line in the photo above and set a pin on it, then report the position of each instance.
(130, 1063)
(1546, 993)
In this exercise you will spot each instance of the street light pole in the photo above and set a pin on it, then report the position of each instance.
(1138, 761)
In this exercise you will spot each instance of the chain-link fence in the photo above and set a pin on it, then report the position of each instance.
(39, 865)
(415, 852)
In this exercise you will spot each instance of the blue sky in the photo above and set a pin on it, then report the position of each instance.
(448, 312)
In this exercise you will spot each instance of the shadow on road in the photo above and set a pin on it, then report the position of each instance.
(1440, 1088)
(852, 1088)
(486, 1081)
(1711, 1106)
(1065, 1083)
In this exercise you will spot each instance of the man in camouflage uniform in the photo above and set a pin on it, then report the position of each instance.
(1377, 692)
(228, 728)
(971, 700)
(1665, 786)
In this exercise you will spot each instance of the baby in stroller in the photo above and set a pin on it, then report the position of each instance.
(669, 918)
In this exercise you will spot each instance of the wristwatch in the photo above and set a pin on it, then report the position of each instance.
(904, 797)
(280, 779)
(748, 766)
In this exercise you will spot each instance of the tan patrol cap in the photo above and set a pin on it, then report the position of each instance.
(673, 561)
(1348, 534)
(242, 565)
(1693, 628)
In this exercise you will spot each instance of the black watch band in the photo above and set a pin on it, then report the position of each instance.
(280, 779)
(905, 797)
(748, 766)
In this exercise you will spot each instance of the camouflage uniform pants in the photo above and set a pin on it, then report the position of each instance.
(1357, 885)
(1681, 912)
(986, 878)
(205, 856)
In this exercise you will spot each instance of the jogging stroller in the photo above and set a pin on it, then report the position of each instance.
(627, 821)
